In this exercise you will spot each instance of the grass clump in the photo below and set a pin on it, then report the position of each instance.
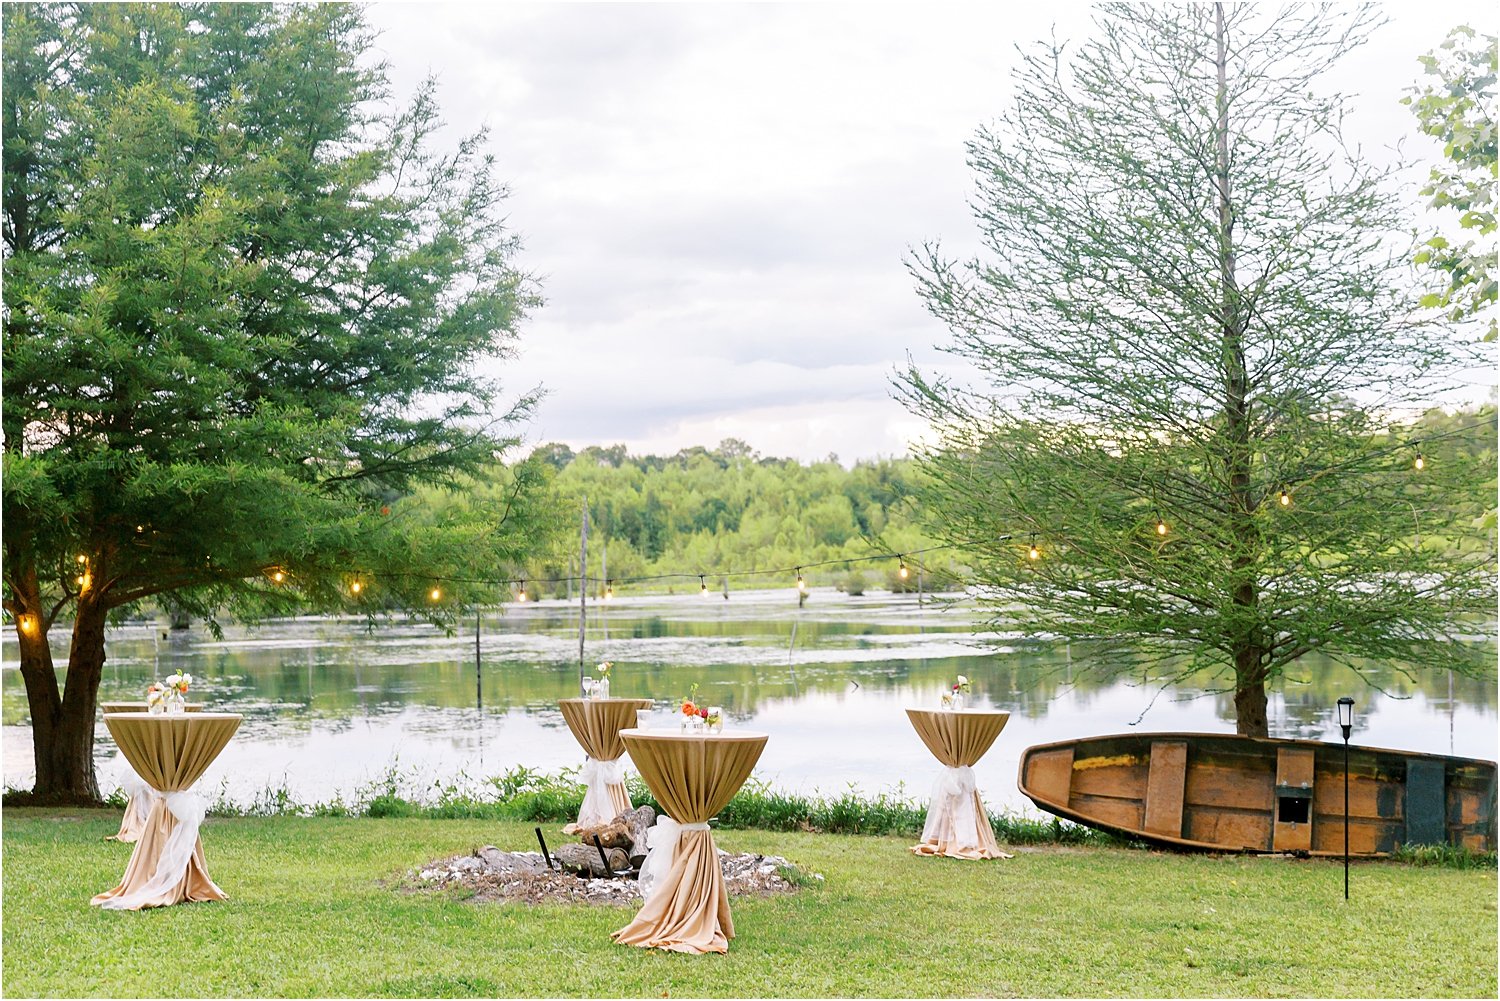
(1446, 856)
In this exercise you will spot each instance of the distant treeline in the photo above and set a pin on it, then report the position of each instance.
(728, 509)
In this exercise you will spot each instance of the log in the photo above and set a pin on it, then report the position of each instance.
(638, 822)
(584, 859)
(627, 831)
(614, 834)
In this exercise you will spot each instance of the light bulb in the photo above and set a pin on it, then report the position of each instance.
(1035, 553)
(82, 558)
(84, 580)
(436, 594)
(356, 587)
(1421, 463)
(1161, 527)
(27, 623)
(702, 586)
(521, 594)
(1286, 498)
(609, 590)
(903, 573)
(278, 576)
(801, 581)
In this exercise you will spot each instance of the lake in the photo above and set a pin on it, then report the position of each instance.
(331, 707)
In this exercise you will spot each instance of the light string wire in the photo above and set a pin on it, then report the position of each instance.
(526, 582)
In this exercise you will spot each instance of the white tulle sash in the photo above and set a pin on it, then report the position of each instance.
(598, 808)
(139, 795)
(661, 851)
(951, 816)
(189, 809)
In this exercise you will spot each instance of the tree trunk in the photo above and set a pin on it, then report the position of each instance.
(1249, 675)
(1250, 694)
(62, 731)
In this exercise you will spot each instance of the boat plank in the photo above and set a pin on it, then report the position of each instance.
(1111, 811)
(1049, 774)
(1211, 784)
(1122, 780)
(1230, 828)
(1168, 779)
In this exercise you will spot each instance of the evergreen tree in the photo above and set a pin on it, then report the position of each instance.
(246, 308)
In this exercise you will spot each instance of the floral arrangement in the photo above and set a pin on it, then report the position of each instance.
(962, 685)
(179, 683)
(603, 668)
(689, 708)
(156, 694)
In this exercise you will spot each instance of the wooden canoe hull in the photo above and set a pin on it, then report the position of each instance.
(1220, 792)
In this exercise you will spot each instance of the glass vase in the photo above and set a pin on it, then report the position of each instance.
(601, 688)
(175, 703)
(958, 700)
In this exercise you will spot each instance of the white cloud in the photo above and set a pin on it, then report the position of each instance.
(719, 197)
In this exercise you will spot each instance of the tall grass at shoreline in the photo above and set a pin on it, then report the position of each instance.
(535, 796)
(529, 794)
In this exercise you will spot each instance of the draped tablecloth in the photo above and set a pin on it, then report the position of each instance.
(692, 776)
(597, 723)
(170, 752)
(957, 825)
(137, 792)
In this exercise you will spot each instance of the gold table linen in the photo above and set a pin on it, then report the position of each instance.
(596, 724)
(134, 820)
(958, 738)
(170, 752)
(692, 776)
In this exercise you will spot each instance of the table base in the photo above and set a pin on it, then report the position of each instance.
(689, 909)
(195, 885)
(977, 843)
(619, 802)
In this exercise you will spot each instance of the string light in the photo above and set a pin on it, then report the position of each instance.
(521, 594)
(355, 586)
(27, 623)
(82, 558)
(1034, 553)
(702, 586)
(84, 580)
(139, 529)
(801, 581)
(1286, 498)
(1161, 526)
(278, 576)
(609, 590)
(436, 594)
(1421, 463)
(903, 573)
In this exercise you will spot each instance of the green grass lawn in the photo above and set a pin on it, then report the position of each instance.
(313, 912)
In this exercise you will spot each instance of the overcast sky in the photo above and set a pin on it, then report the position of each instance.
(719, 198)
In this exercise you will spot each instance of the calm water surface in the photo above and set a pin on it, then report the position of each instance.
(331, 707)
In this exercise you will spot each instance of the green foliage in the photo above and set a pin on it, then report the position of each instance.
(728, 510)
(1186, 311)
(1458, 110)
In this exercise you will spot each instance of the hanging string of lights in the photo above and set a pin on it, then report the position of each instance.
(525, 588)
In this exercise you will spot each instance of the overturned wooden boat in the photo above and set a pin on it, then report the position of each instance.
(1219, 792)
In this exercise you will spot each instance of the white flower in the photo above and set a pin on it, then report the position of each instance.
(962, 680)
(173, 680)
(187, 679)
(605, 665)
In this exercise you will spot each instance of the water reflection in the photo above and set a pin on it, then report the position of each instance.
(330, 707)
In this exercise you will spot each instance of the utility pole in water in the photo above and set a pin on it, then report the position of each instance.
(583, 588)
